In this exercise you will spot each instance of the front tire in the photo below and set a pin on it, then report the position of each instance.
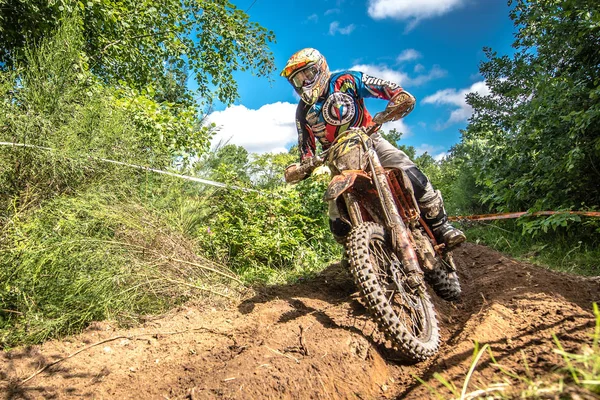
(404, 314)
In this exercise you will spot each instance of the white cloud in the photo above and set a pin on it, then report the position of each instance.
(456, 97)
(427, 148)
(434, 73)
(334, 28)
(408, 55)
(333, 11)
(441, 156)
(419, 68)
(411, 9)
(398, 77)
(313, 18)
(400, 126)
(271, 128)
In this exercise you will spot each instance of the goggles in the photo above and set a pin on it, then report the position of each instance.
(304, 77)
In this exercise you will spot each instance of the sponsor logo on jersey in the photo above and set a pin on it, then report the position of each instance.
(369, 80)
(339, 109)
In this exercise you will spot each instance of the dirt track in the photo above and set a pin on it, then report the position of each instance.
(314, 340)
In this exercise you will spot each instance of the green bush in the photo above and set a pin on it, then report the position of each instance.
(269, 237)
(90, 257)
(573, 249)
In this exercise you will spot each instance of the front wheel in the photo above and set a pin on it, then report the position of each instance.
(404, 314)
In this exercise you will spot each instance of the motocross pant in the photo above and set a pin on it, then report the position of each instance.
(430, 200)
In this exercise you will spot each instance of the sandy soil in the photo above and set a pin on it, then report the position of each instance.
(314, 340)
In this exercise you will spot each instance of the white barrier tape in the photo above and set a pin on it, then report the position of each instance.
(24, 145)
(158, 171)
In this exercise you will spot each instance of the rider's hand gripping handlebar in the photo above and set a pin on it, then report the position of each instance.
(300, 171)
(297, 172)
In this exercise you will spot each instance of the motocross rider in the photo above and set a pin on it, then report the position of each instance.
(330, 104)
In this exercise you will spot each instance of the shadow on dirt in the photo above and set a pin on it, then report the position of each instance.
(537, 303)
(335, 287)
(13, 388)
(314, 339)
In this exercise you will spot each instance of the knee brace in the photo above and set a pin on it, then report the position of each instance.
(421, 185)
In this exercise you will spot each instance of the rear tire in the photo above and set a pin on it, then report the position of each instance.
(405, 315)
(444, 282)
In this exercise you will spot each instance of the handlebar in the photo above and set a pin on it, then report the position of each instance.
(319, 159)
(306, 167)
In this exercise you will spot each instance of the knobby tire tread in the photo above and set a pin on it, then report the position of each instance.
(413, 348)
(445, 283)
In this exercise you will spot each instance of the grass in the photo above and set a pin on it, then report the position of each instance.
(95, 256)
(574, 251)
(128, 246)
(577, 378)
(266, 239)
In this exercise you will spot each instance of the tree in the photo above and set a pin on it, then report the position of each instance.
(267, 169)
(534, 141)
(231, 159)
(139, 42)
(393, 136)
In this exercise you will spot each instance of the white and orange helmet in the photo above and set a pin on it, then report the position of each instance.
(308, 73)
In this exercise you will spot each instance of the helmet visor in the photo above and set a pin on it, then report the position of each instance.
(304, 77)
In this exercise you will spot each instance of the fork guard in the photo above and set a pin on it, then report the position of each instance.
(341, 183)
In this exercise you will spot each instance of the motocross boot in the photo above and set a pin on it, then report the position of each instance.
(432, 210)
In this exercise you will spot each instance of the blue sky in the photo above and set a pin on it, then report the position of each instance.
(430, 47)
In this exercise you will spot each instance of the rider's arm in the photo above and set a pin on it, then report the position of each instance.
(306, 139)
(306, 146)
(401, 103)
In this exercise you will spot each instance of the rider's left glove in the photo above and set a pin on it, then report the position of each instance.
(399, 107)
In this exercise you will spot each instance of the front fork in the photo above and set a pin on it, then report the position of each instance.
(353, 208)
(401, 241)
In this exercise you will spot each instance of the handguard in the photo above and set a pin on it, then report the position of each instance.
(399, 107)
(299, 171)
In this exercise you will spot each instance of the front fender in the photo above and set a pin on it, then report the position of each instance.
(341, 183)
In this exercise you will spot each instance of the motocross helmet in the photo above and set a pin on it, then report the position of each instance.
(308, 73)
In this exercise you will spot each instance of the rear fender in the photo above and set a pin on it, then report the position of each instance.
(341, 183)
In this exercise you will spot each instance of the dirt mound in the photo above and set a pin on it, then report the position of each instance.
(314, 340)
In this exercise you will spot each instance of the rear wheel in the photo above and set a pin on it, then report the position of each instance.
(444, 282)
(403, 313)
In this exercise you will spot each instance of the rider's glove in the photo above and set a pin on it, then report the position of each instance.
(399, 107)
(291, 174)
(296, 172)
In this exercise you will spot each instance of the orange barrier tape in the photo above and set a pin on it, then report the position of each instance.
(490, 217)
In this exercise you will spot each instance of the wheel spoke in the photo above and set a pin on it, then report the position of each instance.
(404, 300)
(403, 311)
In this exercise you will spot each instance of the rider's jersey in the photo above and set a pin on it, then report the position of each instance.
(341, 107)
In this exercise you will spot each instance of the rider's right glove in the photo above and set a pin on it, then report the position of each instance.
(295, 173)
(291, 174)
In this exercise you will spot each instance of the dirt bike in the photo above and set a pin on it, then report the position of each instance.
(391, 250)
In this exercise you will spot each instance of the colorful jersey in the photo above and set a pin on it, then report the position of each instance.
(341, 108)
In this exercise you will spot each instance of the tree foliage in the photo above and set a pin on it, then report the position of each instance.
(51, 99)
(534, 141)
(143, 43)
